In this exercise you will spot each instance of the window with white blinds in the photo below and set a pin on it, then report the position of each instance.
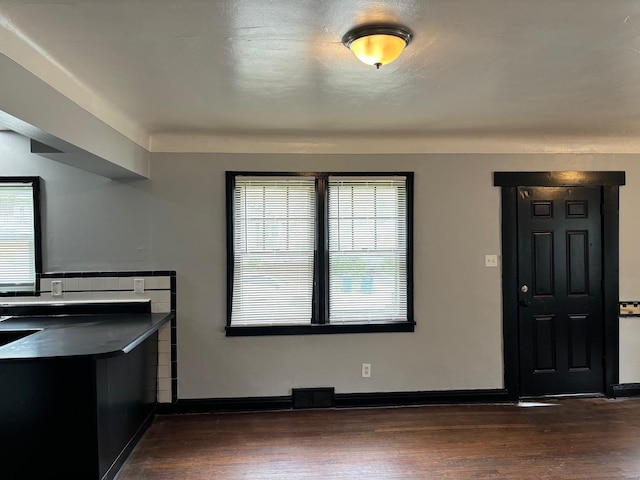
(17, 237)
(367, 249)
(319, 253)
(273, 246)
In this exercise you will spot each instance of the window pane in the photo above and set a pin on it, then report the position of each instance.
(17, 238)
(367, 249)
(274, 239)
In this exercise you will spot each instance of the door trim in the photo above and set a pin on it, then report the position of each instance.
(509, 183)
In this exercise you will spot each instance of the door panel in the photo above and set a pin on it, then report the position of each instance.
(579, 354)
(543, 263)
(578, 258)
(544, 338)
(560, 301)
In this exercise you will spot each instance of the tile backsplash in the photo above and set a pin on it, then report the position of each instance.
(159, 287)
(156, 289)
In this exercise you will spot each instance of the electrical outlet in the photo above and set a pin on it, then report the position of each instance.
(138, 285)
(56, 288)
(491, 260)
(366, 370)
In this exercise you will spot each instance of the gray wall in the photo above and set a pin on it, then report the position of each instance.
(89, 222)
(177, 221)
(458, 339)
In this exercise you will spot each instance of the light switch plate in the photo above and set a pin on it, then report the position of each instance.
(491, 260)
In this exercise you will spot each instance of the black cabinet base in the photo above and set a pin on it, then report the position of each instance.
(111, 473)
(75, 417)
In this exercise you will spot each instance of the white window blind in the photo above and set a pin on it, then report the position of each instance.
(273, 250)
(17, 238)
(367, 249)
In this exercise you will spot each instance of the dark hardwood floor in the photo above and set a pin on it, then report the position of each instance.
(574, 439)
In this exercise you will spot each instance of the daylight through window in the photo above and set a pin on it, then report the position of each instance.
(319, 250)
(18, 235)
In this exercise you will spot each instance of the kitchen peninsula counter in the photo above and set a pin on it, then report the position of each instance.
(96, 336)
(77, 394)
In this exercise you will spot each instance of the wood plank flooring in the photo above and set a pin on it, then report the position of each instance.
(573, 439)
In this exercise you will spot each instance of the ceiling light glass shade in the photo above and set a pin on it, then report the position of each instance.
(377, 45)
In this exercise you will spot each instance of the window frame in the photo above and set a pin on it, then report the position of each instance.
(320, 303)
(37, 233)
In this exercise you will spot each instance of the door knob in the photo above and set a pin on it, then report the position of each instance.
(524, 288)
(524, 303)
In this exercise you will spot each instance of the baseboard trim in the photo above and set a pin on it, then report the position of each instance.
(390, 399)
(341, 400)
(216, 405)
(626, 390)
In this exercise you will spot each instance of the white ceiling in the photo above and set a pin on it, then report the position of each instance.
(521, 68)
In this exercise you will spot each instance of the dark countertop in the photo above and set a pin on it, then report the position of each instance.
(97, 335)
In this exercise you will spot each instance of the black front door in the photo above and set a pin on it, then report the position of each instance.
(561, 323)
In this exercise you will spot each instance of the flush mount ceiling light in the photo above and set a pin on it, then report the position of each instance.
(378, 44)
